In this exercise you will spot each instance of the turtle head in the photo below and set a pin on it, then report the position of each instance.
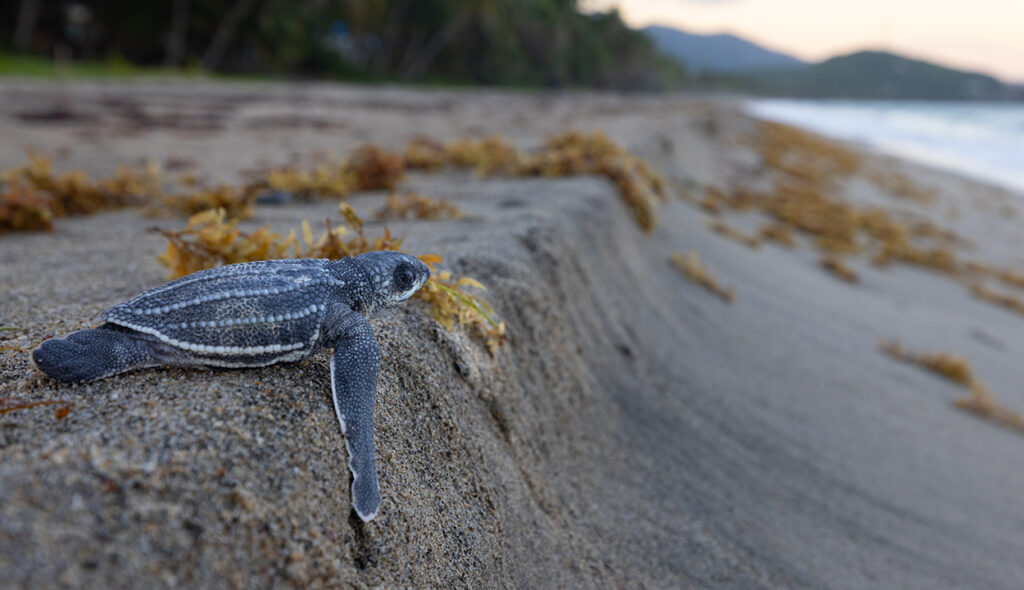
(394, 276)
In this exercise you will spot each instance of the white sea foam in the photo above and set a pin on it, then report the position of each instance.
(982, 140)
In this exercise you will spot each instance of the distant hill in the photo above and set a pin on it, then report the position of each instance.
(717, 53)
(727, 61)
(876, 74)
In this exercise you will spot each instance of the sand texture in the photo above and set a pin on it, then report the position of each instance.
(635, 431)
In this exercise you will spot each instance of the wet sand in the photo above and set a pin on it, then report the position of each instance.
(635, 431)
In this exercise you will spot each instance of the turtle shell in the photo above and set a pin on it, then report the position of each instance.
(249, 314)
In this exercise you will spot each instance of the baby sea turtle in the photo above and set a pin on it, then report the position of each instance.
(253, 315)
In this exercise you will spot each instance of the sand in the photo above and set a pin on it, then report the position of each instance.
(635, 431)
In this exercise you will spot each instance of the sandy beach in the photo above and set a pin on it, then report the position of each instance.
(634, 431)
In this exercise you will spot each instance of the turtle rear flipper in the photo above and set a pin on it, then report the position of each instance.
(92, 354)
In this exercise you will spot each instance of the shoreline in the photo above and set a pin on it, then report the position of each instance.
(916, 152)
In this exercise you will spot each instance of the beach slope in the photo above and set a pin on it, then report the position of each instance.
(633, 431)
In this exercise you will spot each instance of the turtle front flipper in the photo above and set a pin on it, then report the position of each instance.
(93, 354)
(354, 367)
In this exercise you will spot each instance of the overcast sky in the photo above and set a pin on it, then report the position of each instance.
(984, 35)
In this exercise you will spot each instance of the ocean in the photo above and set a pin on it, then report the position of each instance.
(978, 139)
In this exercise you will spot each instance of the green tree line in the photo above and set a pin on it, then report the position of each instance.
(548, 43)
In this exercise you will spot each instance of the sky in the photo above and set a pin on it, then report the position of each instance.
(981, 35)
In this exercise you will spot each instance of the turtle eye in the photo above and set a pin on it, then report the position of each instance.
(403, 278)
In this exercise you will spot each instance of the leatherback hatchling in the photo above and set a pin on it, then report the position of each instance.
(253, 315)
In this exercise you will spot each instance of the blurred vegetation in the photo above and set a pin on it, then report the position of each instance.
(549, 43)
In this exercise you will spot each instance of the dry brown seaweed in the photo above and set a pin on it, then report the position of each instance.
(569, 154)
(211, 240)
(690, 265)
(450, 303)
(1008, 301)
(489, 157)
(373, 168)
(423, 153)
(983, 404)
(951, 367)
(24, 209)
(324, 180)
(804, 155)
(236, 202)
(72, 193)
(780, 233)
(978, 401)
(727, 231)
(839, 269)
(416, 206)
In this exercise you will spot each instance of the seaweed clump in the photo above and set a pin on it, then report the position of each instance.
(423, 153)
(808, 169)
(368, 168)
(729, 232)
(24, 209)
(900, 185)
(211, 240)
(691, 267)
(489, 157)
(805, 156)
(416, 206)
(451, 303)
(34, 194)
(839, 269)
(373, 168)
(1008, 276)
(833, 224)
(1006, 300)
(983, 404)
(573, 153)
(779, 233)
(569, 154)
(979, 400)
(715, 200)
(236, 202)
(840, 229)
(325, 180)
(951, 367)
